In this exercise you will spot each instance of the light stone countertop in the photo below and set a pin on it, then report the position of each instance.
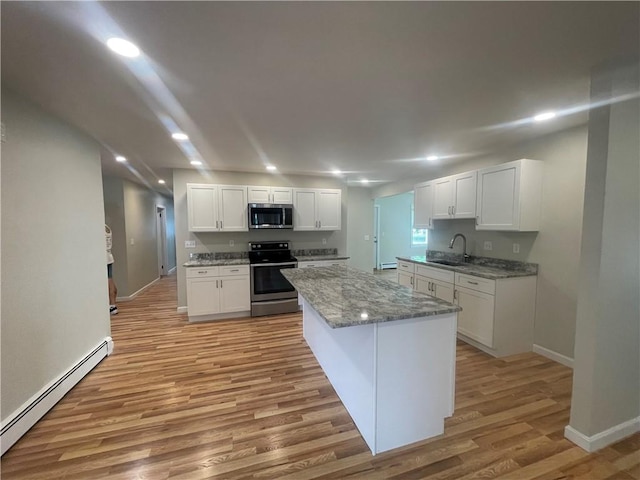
(345, 297)
(318, 258)
(495, 270)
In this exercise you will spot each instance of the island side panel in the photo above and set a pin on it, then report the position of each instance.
(415, 379)
(346, 356)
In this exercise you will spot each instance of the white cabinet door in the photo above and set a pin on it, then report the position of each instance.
(405, 279)
(423, 205)
(234, 294)
(282, 195)
(202, 296)
(329, 210)
(464, 193)
(476, 318)
(259, 194)
(233, 208)
(304, 209)
(442, 290)
(509, 196)
(442, 197)
(202, 207)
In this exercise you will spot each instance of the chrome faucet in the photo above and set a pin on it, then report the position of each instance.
(465, 257)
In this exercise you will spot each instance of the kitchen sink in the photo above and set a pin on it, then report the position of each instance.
(446, 262)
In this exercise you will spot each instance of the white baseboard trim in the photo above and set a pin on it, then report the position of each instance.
(602, 439)
(25, 417)
(172, 271)
(555, 356)
(134, 294)
(183, 310)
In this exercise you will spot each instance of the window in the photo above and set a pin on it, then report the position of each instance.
(419, 236)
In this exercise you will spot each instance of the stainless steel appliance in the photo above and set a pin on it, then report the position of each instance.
(271, 293)
(270, 215)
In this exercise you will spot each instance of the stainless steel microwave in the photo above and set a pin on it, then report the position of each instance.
(270, 215)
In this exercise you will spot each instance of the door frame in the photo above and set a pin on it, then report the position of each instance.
(161, 239)
(376, 235)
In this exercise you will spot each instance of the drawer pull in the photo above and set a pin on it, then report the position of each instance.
(234, 270)
(202, 271)
(472, 283)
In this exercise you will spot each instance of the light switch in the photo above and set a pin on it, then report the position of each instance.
(132, 241)
(324, 241)
(231, 243)
(488, 246)
(189, 244)
(366, 237)
(516, 248)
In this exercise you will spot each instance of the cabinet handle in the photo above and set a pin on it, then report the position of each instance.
(234, 270)
(216, 283)
(455, 294)
(429, 221)
(220, 224)
(472, 283)
(449, 210)
(319, 223)
(220, 283)
(411, 280)
(477, 220)
(202, 271)
(453, 210)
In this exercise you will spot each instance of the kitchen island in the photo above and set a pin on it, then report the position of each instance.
(389, 352)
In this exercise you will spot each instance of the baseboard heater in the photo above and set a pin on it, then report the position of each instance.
(386, 265)
(36, 407)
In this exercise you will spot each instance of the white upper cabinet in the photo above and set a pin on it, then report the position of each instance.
(279, 195)
(509, 196)
(423, 205)
(455, 196)
(217, 208)
(317, 209)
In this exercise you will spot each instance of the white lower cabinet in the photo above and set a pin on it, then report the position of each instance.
(218, 292)
(497, 315)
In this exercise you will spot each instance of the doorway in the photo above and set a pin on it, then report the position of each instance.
(376, 235)
(161, 236)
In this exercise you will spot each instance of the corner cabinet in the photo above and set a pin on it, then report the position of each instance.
(218, 292)
(317, 209)
(509, 196)
(217, 208)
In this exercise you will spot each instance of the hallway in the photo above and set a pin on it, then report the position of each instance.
(245, 398)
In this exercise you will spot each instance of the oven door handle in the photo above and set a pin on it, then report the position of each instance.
(253, 265)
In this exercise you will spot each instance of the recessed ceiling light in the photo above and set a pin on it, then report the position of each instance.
(432, 158)
(120, 158)
(271, 168)
(541, 117)
(364, 180)
(180, 136)
(364, 315)
(123, 47)
(196, 162)
(335, 171)
(161, 181)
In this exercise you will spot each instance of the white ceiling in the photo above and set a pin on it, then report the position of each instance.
(366, 87)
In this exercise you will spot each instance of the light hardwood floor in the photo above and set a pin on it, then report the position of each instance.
(245, 399)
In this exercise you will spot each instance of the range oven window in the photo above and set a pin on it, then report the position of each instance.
(268, 279)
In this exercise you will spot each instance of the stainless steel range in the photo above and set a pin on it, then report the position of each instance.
(271, 293)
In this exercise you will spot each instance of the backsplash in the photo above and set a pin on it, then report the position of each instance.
(218, 256)
(310, 252)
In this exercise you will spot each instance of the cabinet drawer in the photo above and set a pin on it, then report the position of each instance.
(436, 273)
(406, 266)
(195, 272)
(234, 270)
(476, 283)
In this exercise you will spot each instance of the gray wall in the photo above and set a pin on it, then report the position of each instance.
(219, 242)
(555, 247)
(54, 280)
(606, 387)
(359, 224)
(130, 211)
(396, 227)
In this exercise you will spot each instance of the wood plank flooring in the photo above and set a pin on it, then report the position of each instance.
(245, 399)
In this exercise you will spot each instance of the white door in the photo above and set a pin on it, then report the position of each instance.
(282, 195)
(259, 194)
(476, 318)
(498, 197)
(329, 210)
(234, 294)
(464, 186)
(203, 296)
(202, 208)
(423, 206)
(233, 208)
(304, 209)
(442, 197)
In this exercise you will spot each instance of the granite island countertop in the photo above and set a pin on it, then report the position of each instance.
(345, 297)
(483, 267)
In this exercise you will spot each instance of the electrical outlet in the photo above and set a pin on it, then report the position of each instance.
(488, 246)
(231, 243)
(516, 248)
(366, 237)
(133, 242)
(189, 244)
(324, 241)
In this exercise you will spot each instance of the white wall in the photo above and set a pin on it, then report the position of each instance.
(54, 279)
(359, 224)
(555, 247)
(219, 242)
(130, 211)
